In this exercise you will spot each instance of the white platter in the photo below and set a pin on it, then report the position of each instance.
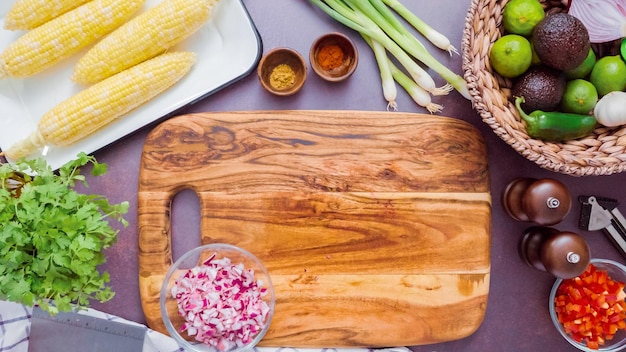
(228, 48)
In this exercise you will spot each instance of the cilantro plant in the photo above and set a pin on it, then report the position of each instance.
(52, 237)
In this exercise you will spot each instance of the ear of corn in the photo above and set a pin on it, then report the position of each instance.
(100, 104)
(63, 36)
(150, 33)
(28, 14)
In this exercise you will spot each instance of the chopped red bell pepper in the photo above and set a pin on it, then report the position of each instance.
(591, 307)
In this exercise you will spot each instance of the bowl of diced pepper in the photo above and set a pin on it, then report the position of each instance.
(589, 310)
(217, 298)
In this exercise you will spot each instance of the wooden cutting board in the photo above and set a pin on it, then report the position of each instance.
(374, 226)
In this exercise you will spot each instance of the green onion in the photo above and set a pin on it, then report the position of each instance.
(435, 37)
(360, 23)
(420, 76)
(373, 20)
(384, 65)
(408, 42)
(417, 93)
(390, 73)
(346, 12)
(389, 85)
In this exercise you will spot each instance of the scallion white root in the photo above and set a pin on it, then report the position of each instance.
(443, 90)
(390, 91)
(417, 93)
(390, 73)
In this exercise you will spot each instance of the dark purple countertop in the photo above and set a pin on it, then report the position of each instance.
(517, 315)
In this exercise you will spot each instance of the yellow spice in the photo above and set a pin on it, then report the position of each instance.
(282, 77)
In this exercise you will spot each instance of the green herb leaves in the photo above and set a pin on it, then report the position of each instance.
(54, 236)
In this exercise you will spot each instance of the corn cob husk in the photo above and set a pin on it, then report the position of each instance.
(97, 106)
(28, 14)
(149, 34)
(63, 36)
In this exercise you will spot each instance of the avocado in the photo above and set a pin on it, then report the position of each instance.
(542, 88)
(561, 41)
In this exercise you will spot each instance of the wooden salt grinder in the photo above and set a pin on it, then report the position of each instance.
(543, 201)
(562, 254)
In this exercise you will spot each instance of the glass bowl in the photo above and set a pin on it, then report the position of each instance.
(617, 272)
(212, 298)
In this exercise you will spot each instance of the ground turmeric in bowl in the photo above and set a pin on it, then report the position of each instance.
(282, 77)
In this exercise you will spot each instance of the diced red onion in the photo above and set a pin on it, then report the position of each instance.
(605, 20)
(222, 303)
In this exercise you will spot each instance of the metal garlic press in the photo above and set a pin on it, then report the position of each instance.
(598, 213)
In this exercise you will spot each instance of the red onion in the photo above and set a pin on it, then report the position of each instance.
(222, 303)
(605, 20)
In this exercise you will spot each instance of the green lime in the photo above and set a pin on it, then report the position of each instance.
(511, 55)
(535, 60)
(609, 74)
(579, 97)
(583, 69)
(521, 16)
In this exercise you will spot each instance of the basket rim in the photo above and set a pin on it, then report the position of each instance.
(601, 153)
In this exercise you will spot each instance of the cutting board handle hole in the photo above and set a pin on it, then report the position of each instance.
(185, 222)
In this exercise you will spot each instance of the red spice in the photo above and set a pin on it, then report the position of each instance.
(591, 307)
(330, 57)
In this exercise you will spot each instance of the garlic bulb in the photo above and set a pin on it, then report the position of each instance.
(605, 19)
(610, 110)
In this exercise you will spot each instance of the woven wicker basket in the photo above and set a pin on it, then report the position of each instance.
(602, 153)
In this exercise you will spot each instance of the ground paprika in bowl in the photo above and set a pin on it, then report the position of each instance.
(333, 56)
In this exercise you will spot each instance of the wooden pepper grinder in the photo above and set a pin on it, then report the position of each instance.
(562, 254)
(543, 201)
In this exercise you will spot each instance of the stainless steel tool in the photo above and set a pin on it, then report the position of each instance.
(598, 213)
(69, 331)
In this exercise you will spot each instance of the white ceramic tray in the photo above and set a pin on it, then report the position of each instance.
(228, 49)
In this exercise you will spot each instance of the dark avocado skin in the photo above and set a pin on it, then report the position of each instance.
(561, 41)
(542, 88)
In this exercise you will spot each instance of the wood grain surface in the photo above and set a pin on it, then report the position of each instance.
(374, 226)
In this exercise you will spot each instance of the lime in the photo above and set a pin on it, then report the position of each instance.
(511, 55)
(609, 74)
(580, 97)
(583, 69)
(521, 16)
(535, 60)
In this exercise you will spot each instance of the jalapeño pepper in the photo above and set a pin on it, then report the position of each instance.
(556, 126)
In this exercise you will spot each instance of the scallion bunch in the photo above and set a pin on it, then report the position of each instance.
(378, 23)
